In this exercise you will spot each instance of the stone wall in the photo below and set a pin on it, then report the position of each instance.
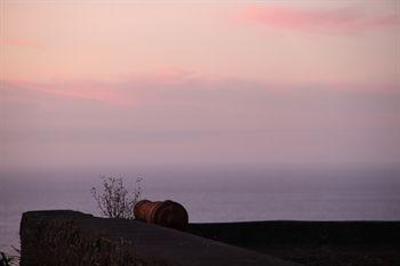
(59, 238)
(302, 232)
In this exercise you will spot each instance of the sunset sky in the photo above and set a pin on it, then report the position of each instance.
(119, 83)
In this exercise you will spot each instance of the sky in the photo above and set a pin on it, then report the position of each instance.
(109, 84)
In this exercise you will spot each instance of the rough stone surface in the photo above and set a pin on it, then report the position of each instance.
(73, 238)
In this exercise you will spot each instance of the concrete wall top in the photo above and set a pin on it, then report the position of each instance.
(65, 237)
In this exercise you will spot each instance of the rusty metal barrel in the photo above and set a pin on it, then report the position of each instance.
(165, 213)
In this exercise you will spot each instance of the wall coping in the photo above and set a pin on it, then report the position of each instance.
(154, 245)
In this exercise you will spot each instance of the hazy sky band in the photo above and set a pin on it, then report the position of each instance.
(277, 81)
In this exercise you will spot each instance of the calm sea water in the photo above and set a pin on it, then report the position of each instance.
(215, 195)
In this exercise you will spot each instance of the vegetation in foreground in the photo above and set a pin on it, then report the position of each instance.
(9, 260)
(114, 200)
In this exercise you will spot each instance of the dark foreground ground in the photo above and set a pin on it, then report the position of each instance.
(313, 243)
(330, 255)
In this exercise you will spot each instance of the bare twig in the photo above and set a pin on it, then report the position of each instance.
(115, 201)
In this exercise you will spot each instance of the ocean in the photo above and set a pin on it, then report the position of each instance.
(214, 194)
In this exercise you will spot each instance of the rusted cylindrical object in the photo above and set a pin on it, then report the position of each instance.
(165, 213)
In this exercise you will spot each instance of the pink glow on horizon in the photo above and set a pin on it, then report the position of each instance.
(330, 21)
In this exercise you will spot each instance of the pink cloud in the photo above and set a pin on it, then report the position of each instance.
(84, 90)
(24, 43)
(124, 91)
(330, 21)
(171, 83)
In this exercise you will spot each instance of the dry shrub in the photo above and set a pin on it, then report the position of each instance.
(114, 200)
